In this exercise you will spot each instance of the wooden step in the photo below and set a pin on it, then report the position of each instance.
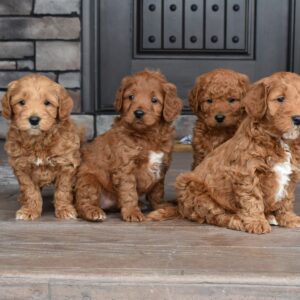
(178, 259)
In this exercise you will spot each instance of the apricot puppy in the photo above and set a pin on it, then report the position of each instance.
(42, 144)
(216, 101)
(132, 158)
(253, 174)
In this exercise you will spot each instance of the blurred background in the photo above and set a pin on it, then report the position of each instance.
(89, 45)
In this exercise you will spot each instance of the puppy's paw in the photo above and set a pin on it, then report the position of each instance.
(93, 213)
(67, 213)
(289, 220)
(258, 226)
(132, 214)
(236, 223)
(25, 213)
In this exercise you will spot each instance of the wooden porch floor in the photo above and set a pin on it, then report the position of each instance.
(54, 259)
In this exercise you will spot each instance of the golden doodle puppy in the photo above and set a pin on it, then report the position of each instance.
(42, 144)
(251, 176)
(132, 158)
(216, 101)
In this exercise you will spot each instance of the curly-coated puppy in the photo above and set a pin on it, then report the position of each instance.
(42, 144)
(133, 157)
(216, 101)
(252, 175)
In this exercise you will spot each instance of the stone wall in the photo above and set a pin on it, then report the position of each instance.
(41, 36)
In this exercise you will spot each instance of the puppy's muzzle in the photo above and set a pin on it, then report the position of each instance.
(296, 120)
(34, 120)
(139, 113)
(219, 118)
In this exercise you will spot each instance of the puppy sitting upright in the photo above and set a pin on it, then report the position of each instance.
(252, 175)
(215, 99)
(42, 144)
(133, 157)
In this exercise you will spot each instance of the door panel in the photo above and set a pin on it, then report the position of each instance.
(194, 24)
(172, 24)
(214, 24)
(249, 39)
(152, 26)
(236, 24)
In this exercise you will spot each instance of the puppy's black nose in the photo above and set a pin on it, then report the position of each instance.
(220, 118)
(296, 120)
(34, 120)
(139, 113)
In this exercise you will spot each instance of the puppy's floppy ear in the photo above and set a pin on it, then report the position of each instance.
(65, 103)
(244, 82)
(255, 101)
(172, 104)
(194, 95)
(119, 94)
(6, 106)
(193, 99)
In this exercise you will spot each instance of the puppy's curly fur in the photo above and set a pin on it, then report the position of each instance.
(252, 176)
(216, 101)
(133, 157)
(42, 144)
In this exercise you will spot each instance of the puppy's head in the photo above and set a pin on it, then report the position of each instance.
(216, 97)
(274, 102)
(35, 104)
(146, 98)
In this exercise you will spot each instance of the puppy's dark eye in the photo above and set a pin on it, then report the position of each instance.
(231, 100)
(46, 103)
(154, 100)
(131, 97)
(22, 102)
(210, 101)
(280, 99)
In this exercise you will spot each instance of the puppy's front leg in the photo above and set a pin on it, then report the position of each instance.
(156, 195)
(252, 215)
(128, 200)
(285, 215)
(162, 210)
(63, 197)
(30, 198)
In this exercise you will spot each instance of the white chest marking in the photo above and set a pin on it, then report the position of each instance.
(155, 162)
(38, 162)
(283, 171)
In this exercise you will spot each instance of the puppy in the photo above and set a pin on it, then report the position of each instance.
(251, 176)
(42, 144)
(216, 101)
(132, 158)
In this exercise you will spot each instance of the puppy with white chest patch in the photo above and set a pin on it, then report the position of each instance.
(43, 144)
(249, 181)
(132, 158)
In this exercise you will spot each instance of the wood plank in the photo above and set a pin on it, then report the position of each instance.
(55, 259)
(12, 289)
(172, 291)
